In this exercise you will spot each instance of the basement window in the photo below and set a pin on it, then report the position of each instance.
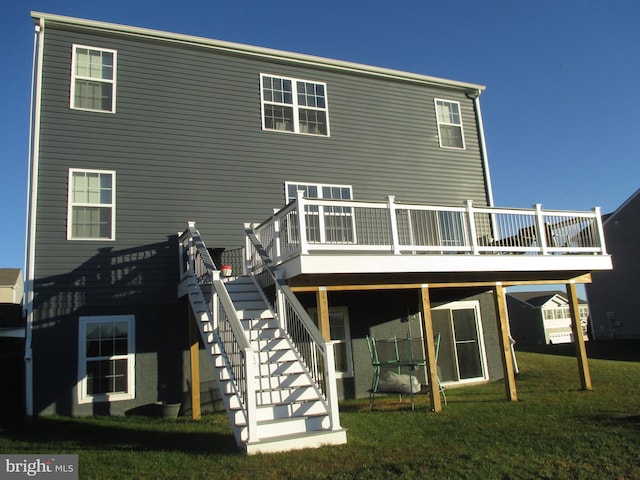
(106, 358)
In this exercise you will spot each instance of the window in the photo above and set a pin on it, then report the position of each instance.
(106, 358)
(462, 356)
(93, 79)
(341, 336)
(326, 224)
(449, 124)
(91, 210)
(297, 106)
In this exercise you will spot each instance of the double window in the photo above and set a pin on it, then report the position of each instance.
(449, 121)
(106, 358)
(93, 79)
(91, 205)
(326, 224)
(293, 105)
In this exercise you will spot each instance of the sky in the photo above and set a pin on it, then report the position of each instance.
(562, 76)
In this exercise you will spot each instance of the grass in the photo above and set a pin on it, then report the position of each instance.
(553, 431)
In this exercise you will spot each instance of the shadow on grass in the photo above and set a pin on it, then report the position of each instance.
(621, 350)
(125, 435)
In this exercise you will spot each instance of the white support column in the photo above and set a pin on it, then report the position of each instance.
(276, 238)
(541, 230)
(251, 370)
(603, 244)
(331, 387)
(473, 234)
(395, 239)
(302, 224)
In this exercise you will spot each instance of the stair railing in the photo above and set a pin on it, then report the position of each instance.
(317, 354)
(239, 357)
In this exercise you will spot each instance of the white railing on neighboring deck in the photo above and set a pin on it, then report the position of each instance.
(225, 326)
(317, 354)
(321, 225)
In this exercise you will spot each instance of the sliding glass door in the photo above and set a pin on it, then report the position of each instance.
(461, 357)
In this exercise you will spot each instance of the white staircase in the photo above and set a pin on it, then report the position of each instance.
(290, 410)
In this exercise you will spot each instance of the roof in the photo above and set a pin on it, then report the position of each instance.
(9, 276)
(538, 299)
(44, 19)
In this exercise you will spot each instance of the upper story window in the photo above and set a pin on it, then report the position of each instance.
(449, 123)
(292, 105)
(91, 205)
(93, 79)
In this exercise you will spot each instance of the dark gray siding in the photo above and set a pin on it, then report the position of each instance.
(613, 295)
(186, 144)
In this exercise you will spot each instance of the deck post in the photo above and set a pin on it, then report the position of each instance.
(302, 222)
(393, 224)
(471, 221)
(194, 366)
(322, 302)
(505, 342)
(578, 340)
(432, 367)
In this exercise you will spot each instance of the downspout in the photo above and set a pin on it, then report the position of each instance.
(32, 194)
(475, 96)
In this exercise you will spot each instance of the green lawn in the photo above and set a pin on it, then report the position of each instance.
(553, 431)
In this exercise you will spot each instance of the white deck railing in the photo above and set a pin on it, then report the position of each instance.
(318, 225)
(224, 325)
(317, 354)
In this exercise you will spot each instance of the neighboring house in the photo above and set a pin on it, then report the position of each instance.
(12, 334)
(348, 200)
(11, 286)
(541, 318)
(613, 295)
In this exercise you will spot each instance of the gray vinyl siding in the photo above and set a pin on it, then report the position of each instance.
(186, 144)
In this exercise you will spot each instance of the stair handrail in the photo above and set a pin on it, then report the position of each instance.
(240, 358)
(317, 353)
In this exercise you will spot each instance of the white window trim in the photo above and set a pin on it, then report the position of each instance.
(435, 104)
(112, 81)
(71, 204)
(83, 397)
(294, 105)
(320, 213)
(313, 312)
(475, 305)
(319, 186)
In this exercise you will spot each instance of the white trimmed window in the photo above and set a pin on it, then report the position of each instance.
(341, 337)
(293, 105)
(91, 205)
(449, 120)
(93, 79)
(326, 224)
(106, 358)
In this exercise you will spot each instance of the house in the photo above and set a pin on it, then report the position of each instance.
(612, 295)
(541, 318)
(11, 286)
(12, 334)
(345, 200)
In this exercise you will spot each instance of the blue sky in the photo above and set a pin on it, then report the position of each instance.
(562, 77)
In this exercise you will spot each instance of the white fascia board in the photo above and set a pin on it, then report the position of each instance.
(330, 264)
(238, 48)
